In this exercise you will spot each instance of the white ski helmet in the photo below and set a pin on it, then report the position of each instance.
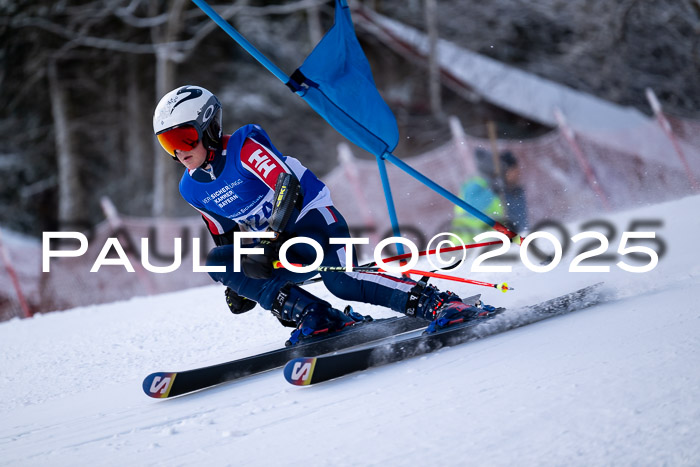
(188, 106)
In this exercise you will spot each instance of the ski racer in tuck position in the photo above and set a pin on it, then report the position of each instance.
(241, 182)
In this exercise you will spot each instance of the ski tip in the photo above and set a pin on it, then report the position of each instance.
(299, 371)
(158, 385)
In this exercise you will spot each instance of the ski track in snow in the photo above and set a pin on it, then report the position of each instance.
(616, 384)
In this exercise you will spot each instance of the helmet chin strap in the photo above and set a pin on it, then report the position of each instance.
(211, 144)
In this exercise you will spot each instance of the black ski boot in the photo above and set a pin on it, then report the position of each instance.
(311, 315)
(443, 309)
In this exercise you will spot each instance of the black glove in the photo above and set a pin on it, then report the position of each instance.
(238, 304)
(260, 266)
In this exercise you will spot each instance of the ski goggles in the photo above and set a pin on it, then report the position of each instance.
(181, 138)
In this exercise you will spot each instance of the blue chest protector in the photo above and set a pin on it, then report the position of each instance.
(241, 193)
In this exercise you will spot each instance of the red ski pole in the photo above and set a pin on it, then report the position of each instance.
(502, 286)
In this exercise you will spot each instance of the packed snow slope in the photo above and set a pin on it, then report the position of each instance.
(616, 384)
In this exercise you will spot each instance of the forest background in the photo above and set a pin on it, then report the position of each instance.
(79, 81)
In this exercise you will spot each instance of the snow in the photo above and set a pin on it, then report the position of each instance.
(616, 384)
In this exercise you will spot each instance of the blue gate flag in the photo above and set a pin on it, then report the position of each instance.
(336, 81)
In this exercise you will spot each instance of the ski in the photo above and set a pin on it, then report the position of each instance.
(161, 385)
(170, 384)
(303, 371)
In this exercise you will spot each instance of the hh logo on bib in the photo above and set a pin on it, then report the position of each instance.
(261, 162)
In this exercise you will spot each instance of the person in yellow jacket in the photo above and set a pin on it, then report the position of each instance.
(476, 191)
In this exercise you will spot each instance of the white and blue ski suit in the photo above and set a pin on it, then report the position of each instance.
(236, 193)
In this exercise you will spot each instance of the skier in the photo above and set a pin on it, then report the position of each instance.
(241, 182)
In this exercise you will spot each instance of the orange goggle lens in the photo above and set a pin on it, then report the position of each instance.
(182, 138)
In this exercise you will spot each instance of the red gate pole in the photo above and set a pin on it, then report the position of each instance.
(666, 127)
(5, 256)
(582, 160)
